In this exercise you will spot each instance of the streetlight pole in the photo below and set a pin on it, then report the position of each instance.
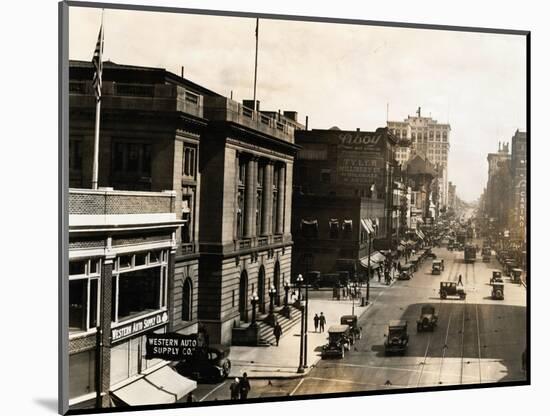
(368, 270)
(253, 300)
(301, 366)
(305, 322)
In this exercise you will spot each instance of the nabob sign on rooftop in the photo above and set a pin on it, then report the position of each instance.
(171, 346)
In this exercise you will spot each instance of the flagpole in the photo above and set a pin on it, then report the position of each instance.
(256, 63)
(95, 166)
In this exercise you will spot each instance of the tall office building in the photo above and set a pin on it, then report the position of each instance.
(428, 138)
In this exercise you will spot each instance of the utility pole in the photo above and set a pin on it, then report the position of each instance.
(256, 64)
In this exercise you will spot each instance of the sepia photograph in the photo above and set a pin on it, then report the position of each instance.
(269, 208)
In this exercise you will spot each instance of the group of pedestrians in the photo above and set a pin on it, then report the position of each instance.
(319, 322)
(240, 388)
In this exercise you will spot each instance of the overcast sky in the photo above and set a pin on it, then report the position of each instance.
(338, 75)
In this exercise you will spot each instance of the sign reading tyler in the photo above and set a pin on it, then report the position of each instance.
(360, 159)
(171, 346)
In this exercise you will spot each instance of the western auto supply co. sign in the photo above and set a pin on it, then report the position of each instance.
(171, 346)
(141, 325)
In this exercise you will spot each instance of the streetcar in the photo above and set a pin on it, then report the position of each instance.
(469, 253)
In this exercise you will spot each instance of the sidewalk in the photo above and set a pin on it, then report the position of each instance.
(282, 361)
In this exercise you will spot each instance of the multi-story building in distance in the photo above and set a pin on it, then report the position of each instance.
(519, 183)
(428, 138)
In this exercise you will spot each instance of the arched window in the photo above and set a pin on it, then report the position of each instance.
(187, 301)
(261, 290)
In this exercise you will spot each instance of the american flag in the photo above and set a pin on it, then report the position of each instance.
(98, 64)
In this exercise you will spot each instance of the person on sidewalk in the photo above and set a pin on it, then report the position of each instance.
(322, 322)
(316, 322)
(244, 386)
(234, 388)
(460, 280)
(277, 332)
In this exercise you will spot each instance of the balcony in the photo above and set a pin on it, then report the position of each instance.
(224, 109)
(106, 208)
(146, 97)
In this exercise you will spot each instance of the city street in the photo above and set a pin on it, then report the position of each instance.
(476, 340)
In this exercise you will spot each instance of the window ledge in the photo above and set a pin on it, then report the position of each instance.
(81, 334)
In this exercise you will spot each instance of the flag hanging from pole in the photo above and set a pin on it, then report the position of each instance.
(98, 64)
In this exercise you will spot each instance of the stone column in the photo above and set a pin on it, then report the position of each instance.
(281, 199)
(103, 350)
(267, 199)
(250, 198)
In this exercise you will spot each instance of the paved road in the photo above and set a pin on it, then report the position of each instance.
(478, 340)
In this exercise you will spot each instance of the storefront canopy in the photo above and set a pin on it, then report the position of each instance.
(420, 234)
(368, 225)
(163, 386)
(375, 259)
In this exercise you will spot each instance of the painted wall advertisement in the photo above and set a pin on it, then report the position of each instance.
(361, 159)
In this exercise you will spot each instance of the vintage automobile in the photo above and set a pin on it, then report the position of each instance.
(451, 289)
(486, 254)
(406, 272)
(313, 279)
(497, 292)
(355, 330)
(339, 341)
(509, 265)
(516, 275)
(496, 277)
(208, 363)
(429, 254)
(427, 320)
(397, 339)
(437, 267)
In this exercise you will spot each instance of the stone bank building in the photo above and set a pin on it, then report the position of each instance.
(191, 220)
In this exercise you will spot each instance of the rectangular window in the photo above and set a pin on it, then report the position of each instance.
(334, 228)
(83, 294)
(131, 157)
(240, 214)
(186, 228)
(347, 228)
(189, 161)
(81, 373)
(138, 292)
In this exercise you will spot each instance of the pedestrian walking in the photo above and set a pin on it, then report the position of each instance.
(322, 322)
(277, 331)
(316, 322)
(460, 280)
(234, 388)
(244, 386)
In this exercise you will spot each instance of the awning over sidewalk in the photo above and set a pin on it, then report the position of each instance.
(163, 386)
(375, 259)
(367, 225)
(420, 234)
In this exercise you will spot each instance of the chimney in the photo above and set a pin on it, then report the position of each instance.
(307, 119)
(182, 71)
(357, 129)
(292, 115)
(250, 104)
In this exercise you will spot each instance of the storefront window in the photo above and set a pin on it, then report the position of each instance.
(138, 292)
(81, 373)
(83, 294)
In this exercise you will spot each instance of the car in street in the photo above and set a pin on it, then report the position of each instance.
(496, 277)
(486, 254)
(437, 267)
(497, 291)
(406, 272)
(339, 341)
(397, 339)
(516, 275)
(355, 330)
(447, 289)
(208, 363)
(427, 320)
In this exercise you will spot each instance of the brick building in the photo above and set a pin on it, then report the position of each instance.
(499, 184)
(122, 248)
(344, 181)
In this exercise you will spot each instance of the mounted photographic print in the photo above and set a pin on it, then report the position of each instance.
(264, 208)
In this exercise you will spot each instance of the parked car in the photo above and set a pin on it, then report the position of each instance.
(497, 291)
(496, 277)
(208, 363)
(397, 339)
(406, 272)
(339, 341)
(451, 289)
(355, 330)
(436, 267)
(516, 275)
(428, 319)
